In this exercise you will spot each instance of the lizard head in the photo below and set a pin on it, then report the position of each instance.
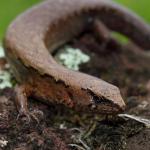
(101, 97)
(108, 101)
(88, 93)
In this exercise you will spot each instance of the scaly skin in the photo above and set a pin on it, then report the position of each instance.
(44, 28)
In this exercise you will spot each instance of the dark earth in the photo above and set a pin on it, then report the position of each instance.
(60, 128)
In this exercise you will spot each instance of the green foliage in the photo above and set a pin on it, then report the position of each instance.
(9, 9)
(141, 7)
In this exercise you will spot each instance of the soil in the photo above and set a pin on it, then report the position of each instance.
(61, 128)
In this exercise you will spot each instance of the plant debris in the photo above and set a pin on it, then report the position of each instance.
(146, 122)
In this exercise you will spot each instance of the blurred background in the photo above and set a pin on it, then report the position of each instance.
(9, 9)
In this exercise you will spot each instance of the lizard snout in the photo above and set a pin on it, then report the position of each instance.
(108, 101)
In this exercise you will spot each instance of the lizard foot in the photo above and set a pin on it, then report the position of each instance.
(28, 116)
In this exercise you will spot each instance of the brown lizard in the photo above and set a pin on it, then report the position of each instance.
(42, 29)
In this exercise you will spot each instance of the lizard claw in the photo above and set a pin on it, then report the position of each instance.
(24, 114)
(28, 116)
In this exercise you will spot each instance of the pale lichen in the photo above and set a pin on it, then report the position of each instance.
(5, 77)
(71, 57)
(2, 54)
(3, 143)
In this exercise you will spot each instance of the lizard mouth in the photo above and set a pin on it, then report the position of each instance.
(103, 105)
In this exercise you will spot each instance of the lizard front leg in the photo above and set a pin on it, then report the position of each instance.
(22, 92)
